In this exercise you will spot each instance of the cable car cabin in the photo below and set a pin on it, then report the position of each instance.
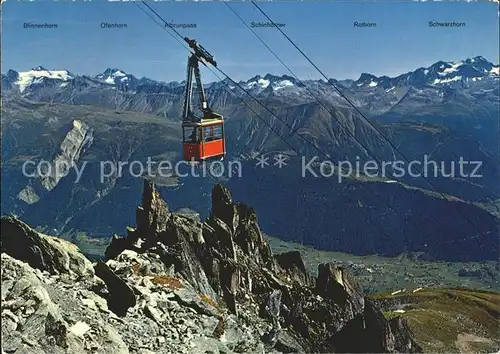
(204, 140)
(203, 137)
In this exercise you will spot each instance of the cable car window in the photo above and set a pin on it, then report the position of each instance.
(190, 135)
(207, 134)
(217, 132)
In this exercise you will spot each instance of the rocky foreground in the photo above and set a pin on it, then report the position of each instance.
(178, 285)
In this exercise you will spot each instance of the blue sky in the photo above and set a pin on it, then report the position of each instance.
(402, 41)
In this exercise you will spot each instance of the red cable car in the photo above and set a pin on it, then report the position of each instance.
(203, 140)
(203, 137)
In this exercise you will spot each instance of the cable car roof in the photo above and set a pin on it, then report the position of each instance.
(204, 122)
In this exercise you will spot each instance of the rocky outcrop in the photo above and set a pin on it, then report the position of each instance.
(339, 285)
(228, 260)
(42, 252)
(178, 285)
(120, 296)
(49, 173)
(292, 263)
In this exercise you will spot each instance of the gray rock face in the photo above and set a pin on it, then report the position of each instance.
(292, 263)
(78, 138)
(176, 285)
(43, 252)
(339, 285)
(120, 296)
(40, 314)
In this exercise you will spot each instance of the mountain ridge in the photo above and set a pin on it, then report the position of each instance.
(471, 68)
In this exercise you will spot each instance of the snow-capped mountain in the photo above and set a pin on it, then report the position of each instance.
(274, 82)
(36, 76)
(476, 78)
(440, 73)
(114, 77)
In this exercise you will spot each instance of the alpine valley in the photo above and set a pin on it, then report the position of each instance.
(273, 251)
(446, 112)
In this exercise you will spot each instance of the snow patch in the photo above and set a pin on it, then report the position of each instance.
(445, 81)
(111, 78)
(495, 70)
(263, 83)
(454, 67)
(372, 84)
(282, 84)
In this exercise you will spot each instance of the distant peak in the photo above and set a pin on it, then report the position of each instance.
(112, 72)
(271, 77)
(366, 76)
(39, 68)
(255, 78)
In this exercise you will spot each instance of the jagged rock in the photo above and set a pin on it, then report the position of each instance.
(121, 296)
(292, 263)
(222, 206)
(338, 284)
(198, 302)
(116, 246)
(230, 300)
(189, 213)
(379, 335)
(56, 330)
(180, 228)
(43, 252)
(250, 239)
(286, 343)
(273, 307)
(152, 216)
(403, 336)
(218, 235)
(185, 263)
